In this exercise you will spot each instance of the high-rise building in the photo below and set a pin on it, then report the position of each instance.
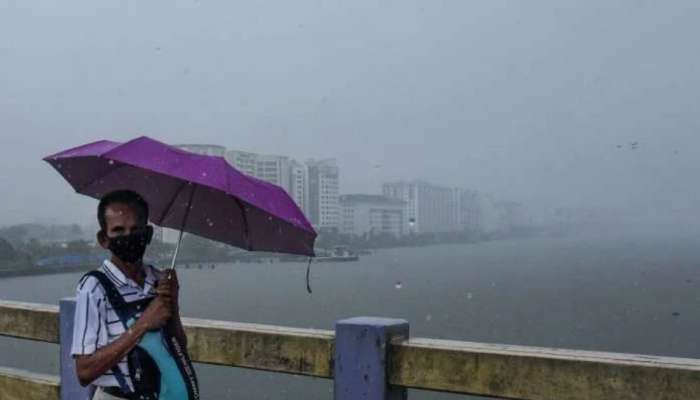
(370, 215)
(299, 185)
(274, 169)
(464, 210)
(427, 206)
(282, 171)
(324, 187)
(244, 161)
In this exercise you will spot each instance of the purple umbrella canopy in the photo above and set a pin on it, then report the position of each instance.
(199, 194)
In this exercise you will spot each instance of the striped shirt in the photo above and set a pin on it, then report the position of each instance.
(96, 324)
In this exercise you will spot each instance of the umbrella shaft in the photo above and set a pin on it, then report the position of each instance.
(177, 250)
(182, 228)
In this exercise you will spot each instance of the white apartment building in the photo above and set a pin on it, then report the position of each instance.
(282, 171)
(464, 210)
(427, 206)
(324, 192)
(274, 169)
(243, 161)
(299, 185)
(368, 215)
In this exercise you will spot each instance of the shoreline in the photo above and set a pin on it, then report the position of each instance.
(30, 271)
(34, 270)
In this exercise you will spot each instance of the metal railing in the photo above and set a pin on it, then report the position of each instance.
(373, 358)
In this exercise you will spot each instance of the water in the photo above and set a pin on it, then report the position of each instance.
(624, 294)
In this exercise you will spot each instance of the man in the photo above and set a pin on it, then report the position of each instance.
(100, 340)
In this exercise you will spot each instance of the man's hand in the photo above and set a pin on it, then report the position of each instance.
(169, 287)
(157, 314)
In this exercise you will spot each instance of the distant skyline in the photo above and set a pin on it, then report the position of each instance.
(538, 102)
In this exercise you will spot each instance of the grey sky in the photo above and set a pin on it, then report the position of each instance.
(527, 100)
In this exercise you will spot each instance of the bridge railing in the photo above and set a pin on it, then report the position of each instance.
(372, 358)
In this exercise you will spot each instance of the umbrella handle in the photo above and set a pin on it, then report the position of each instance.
(182, 227)
(308, 271)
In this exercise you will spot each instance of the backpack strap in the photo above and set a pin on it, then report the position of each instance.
(119, 306)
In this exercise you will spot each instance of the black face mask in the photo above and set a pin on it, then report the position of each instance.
(130, 248)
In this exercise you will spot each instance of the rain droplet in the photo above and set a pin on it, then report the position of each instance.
(204, 174)
(428, 318)
(469, 295)
(59, 166)
(398, 285)
(111, 162)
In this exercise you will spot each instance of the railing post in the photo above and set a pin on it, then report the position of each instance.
(70, 387)
(361, 358)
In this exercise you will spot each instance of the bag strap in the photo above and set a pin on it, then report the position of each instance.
(119, 306)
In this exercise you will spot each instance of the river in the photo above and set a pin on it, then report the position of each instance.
(635, 294)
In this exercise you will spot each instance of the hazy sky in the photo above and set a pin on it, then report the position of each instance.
(527, 100)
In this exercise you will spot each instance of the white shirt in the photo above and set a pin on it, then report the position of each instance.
(96, 324)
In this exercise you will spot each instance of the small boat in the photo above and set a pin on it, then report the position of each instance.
(338, 254)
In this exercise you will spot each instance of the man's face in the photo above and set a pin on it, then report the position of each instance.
(122, 220)
(125, 236)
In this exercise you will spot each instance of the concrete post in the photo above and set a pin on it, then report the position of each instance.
(70, 387)
(361, 358)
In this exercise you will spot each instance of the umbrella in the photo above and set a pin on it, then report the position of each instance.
(198, 194)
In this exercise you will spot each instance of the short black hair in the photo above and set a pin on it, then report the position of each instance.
(128, 197)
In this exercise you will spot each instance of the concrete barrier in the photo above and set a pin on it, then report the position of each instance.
(373, 359)
(17, 384)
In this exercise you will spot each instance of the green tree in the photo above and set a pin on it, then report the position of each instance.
(78, 247)
(7, 252)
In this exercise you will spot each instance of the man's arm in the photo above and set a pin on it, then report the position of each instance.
(91, 367)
